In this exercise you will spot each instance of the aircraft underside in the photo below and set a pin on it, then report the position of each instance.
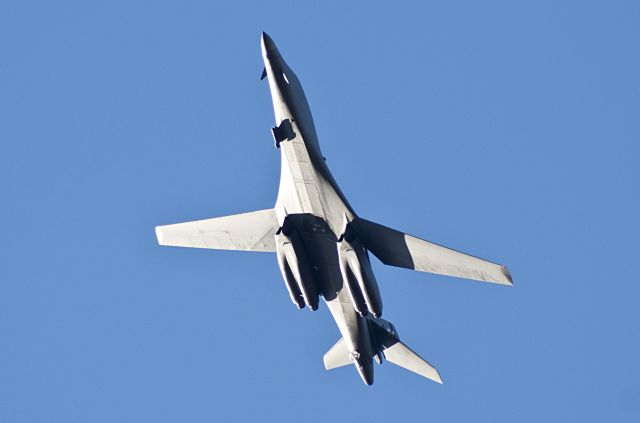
(322, 246)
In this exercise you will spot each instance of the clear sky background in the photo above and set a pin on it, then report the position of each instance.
(509, 131)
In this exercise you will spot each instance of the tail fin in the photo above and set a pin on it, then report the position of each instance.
(337, 356)
(401, 355)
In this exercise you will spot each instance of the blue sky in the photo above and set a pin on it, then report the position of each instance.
(506, 130)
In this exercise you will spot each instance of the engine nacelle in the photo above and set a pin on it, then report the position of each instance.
(289, 280)
(296, 270)
(351, 282)
(358, 276)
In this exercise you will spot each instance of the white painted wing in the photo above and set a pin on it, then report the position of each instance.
(399, 249)
(401, 355)
(253, 231)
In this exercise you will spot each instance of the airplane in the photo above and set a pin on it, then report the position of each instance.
(322, 246)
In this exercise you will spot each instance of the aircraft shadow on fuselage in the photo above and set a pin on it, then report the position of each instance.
(320, 245)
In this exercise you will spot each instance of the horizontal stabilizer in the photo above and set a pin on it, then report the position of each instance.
(395, 248)
(253, 231)
(337, 356)
(264, 74)
(401, 355)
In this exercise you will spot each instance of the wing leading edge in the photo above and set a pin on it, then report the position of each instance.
(253, 231)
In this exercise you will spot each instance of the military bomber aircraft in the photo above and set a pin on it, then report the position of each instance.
(322, 245)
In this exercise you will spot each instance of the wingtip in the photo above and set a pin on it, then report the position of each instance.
(437, 378)
(433, 375)
(507, 275)
(159, 236)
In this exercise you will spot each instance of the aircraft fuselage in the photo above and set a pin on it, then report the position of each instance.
(311, 204)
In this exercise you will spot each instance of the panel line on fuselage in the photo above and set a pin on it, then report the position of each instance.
(303, 176)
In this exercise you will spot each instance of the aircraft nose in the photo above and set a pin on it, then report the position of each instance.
(267, 43)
